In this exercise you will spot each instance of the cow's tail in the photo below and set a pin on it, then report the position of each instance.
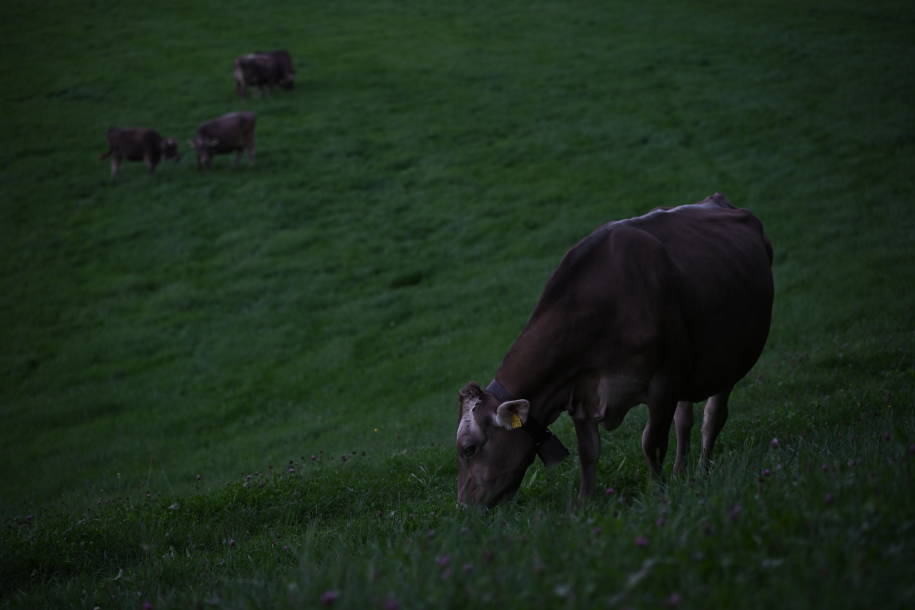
(768, 245)
(110, 150)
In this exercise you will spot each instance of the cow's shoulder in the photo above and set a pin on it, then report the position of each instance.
(618, 251)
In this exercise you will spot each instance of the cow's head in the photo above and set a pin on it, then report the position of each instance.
(493, 451)
(204, 147)
(170, 149)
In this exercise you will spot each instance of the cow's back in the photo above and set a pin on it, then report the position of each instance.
(284, 61)
(231, 130)
(255, 69)
(721, 270)
(134, 142)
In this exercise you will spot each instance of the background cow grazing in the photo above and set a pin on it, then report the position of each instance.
(233, 132)
(666, 309)
(138, 144)
(264, 71)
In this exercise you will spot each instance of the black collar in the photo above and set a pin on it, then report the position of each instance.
(549, 448)
(498, 390)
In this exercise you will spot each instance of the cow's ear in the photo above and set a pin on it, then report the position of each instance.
(512, 414)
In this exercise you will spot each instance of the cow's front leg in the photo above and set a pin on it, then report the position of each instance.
(683, 421)
(588, 453)
(250, 149)
(661, 407)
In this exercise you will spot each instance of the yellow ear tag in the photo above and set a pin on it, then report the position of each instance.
(516, 421)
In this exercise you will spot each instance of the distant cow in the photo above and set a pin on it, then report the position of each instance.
(233, 132)
(138, 144)
(667, 309)
(264, 70)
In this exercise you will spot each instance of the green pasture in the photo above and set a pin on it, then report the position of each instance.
(238, 388)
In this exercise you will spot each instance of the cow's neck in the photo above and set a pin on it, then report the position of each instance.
(538, 369)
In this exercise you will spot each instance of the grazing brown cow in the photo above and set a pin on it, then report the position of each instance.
(233, 132)
(138, 144)
(264, 70)
(667, 309)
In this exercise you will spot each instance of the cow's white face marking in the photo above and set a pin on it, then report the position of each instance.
(468, 424)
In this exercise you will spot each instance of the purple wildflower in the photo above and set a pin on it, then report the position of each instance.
(641, 541)
(390, 604)
(329, 597)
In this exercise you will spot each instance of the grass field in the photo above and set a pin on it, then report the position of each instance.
(238, 389)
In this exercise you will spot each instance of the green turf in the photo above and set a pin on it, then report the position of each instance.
(171, 345)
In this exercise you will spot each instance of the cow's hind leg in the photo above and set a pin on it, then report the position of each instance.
(683, 422)
(115, 165)
(588, 454)
(713, 419)
(661, 407)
